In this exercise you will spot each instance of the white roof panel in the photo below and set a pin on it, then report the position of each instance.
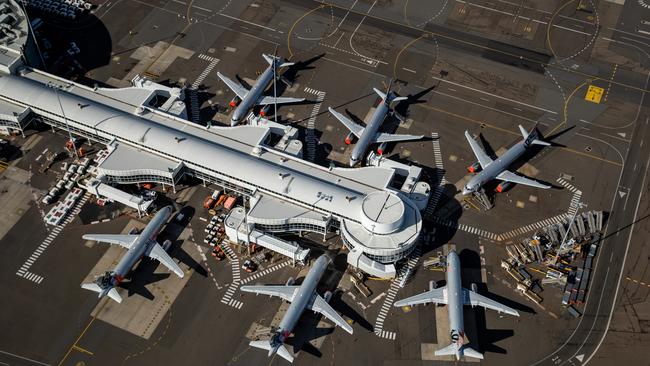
(223, 151)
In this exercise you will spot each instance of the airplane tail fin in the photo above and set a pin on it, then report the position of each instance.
(279, 349)
(531, 138)
(281, 61)
(112, 292)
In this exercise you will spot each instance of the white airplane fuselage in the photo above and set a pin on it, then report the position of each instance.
(303, 297)
(141, 245)
(253, 96)
(495, 168)
(368, 135)
(455, 301)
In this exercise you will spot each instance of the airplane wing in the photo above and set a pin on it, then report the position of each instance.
(285, 292)
(238, 89)
(158, 253)
(125, 241)
(353, 127)
(392, 137)
(481, 156)
(474, 299)
(509, 176)
(279, 100)
(438, 296)
(321, 306)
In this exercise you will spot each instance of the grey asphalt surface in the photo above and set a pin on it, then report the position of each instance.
(201, 330)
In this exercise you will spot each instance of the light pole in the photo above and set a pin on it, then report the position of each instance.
(578, 206)
(275, 88)
(54, 87)
(65, 120)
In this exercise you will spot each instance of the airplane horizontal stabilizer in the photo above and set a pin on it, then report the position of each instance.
(266, 345)
(269, 59)
(390, 97)
(381, 94)
(523, 131)
(92, 287)
(112, 293)
(450, 350)
(453, 350)
(532, 140)
(284, 353)
(469, 352)
(540, 142)
(261, 345)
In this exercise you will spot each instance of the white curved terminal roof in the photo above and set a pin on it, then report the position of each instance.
(382, 211)
(217, 152)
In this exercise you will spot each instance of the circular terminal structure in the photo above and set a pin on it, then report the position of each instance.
(382, 212)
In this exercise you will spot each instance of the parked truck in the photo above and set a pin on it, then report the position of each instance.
(230, 202)
(208, 203)
(220, 201)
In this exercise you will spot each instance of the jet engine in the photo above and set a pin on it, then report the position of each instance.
(382, 148)
(503, 186)
(474, 168)
(350, 138)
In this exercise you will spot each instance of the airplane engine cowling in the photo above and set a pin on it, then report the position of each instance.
(382, 148)
(503, 186)
(350, 138)
(474, 168)
(327, 296)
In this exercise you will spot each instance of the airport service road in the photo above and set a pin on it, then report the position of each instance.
(586, 339)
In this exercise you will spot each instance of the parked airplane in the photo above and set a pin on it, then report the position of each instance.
(489, 169)
(301, 297)
(137, 246)
(369, 135)
(246, 99)
(455, 296)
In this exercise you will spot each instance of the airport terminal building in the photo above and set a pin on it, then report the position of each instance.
(377, 215)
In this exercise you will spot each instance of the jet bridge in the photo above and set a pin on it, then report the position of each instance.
(240, 231)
